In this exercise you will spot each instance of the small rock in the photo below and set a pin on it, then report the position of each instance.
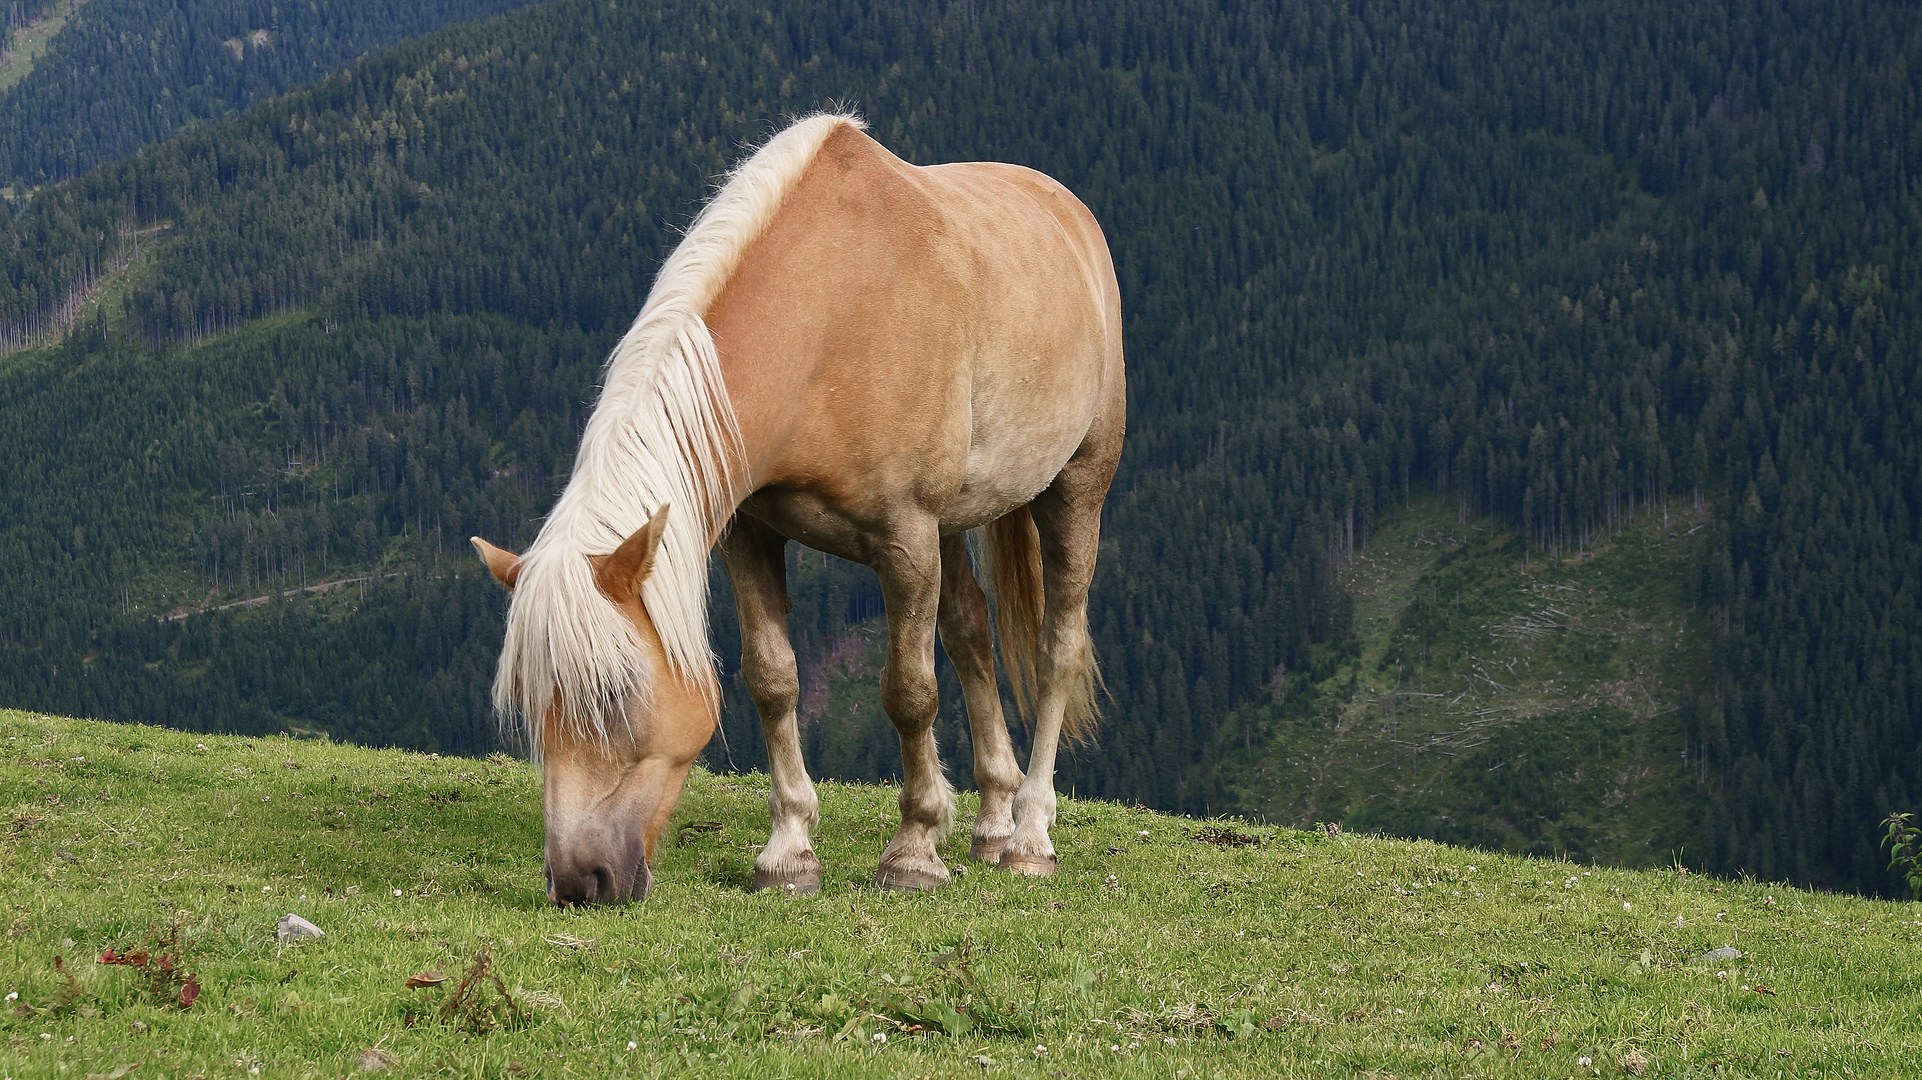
(1715, 956)
(374, 1059)
(293, 928)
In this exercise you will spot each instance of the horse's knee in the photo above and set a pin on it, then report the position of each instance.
(773, 681)
(909, 695)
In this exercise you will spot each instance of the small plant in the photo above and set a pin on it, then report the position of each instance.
(1904, 842)
(65, 1000)
(70, 995)
(162, 964)
(468, 1008)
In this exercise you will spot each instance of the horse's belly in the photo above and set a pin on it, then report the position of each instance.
(1006, 474)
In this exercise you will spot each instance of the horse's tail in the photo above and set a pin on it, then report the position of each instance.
(1012, 549)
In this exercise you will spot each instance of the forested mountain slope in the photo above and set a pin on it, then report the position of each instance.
(1564, 266)
(124, 73)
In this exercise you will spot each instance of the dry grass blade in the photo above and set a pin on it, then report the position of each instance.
(1293, 1016)
(541, 999)
(1179, 1018)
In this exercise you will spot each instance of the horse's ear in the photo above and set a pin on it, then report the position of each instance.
(620, 574)
(504, 565)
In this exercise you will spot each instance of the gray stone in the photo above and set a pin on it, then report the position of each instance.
(293, 928)
(1716, 956)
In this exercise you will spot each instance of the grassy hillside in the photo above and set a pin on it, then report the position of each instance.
(1165, 947)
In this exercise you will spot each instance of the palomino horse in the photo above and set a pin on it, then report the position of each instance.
(871, 358)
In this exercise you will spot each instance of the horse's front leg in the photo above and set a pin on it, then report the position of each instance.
(755, 557)
(910, 572)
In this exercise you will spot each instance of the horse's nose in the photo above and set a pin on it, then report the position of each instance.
(597, 883)
(581, 884)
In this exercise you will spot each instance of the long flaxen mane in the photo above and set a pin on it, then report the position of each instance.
(662, 433)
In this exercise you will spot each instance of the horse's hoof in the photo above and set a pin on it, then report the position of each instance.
(1028, 865)
(804, 881)
(909, 879)
(988, 851)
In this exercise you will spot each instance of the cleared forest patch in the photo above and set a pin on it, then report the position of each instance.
(1501, 699)
(30, 42)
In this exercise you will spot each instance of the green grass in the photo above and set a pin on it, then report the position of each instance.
(1150, 954)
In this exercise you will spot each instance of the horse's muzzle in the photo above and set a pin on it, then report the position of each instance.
(598, 882)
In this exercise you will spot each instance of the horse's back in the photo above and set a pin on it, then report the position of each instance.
(949, 334)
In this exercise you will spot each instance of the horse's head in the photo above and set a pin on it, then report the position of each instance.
(610, 786)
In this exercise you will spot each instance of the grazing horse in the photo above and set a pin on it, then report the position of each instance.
(871, 358)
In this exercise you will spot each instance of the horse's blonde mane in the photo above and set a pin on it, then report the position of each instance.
(662, 433)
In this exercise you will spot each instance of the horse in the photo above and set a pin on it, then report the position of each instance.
(873, 359)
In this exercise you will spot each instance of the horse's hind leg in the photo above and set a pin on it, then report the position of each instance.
(965, 635)
(1067, 517)
(755, 559)
(909, 566)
